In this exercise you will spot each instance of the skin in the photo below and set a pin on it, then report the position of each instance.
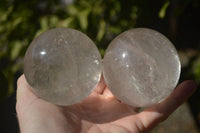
(100, 112)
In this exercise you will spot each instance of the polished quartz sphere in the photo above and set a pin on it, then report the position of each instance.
(62, 66)
(141, 67)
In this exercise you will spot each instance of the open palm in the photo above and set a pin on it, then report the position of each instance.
(100, 112)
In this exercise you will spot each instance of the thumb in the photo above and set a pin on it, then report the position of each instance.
(155, 114)
(24, 94)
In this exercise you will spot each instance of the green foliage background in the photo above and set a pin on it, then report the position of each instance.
(22, 20)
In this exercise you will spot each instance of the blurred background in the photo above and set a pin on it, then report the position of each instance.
(102, 20)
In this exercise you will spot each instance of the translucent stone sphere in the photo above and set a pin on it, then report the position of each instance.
(62, 66)
(141, 67)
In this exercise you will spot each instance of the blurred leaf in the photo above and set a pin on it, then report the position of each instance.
(4, 15)
(17, 66)
(72, 10)
(15, 49)
(16, 22)
(196, 69)
(66, 22)
(44, 26)
(44, 23)
(83, 18)
(134, 12)
(102, 29)
(53, 20)
(102, 51)
(114, 29)
(162, 11)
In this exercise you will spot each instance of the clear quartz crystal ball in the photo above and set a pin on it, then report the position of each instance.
(141, 67)
(62, 66)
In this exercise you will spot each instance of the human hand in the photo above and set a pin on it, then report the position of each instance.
(100, 112)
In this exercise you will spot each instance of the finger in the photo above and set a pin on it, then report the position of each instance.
(99, 89)
(155, 114)
(23, 89)
(24, 93)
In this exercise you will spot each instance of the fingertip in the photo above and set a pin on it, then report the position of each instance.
(159, 112)
(190, 85)
(23, 89)
(20, 80)
(180, 94)
(183, 91)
